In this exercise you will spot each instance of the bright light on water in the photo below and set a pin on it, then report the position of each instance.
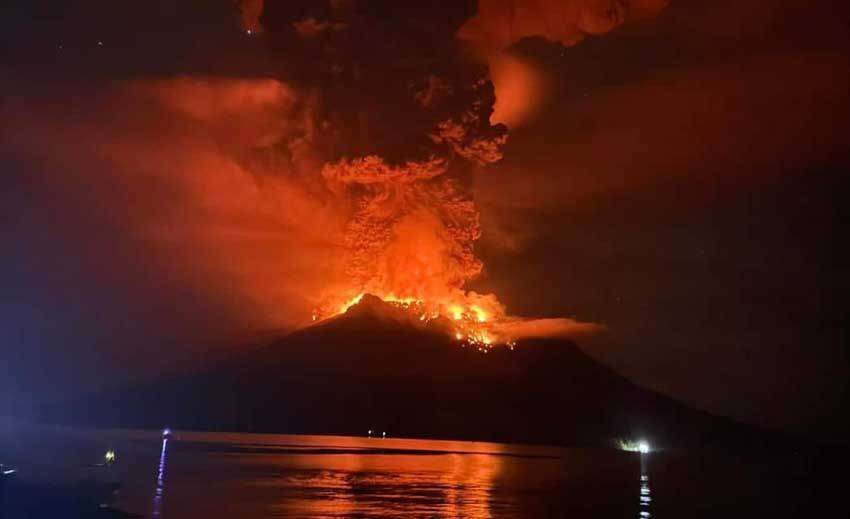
(641, 446)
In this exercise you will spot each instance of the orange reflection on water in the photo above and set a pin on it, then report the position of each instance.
(450, 485)
(383, 478)
(334, 476)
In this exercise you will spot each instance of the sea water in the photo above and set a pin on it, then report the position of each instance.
(187, 475)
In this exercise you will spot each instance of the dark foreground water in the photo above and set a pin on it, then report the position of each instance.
(212, 475)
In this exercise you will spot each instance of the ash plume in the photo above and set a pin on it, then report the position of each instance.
(403, 175)
(350, 172)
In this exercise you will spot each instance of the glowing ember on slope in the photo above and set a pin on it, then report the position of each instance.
(472, 319)
(469, 323)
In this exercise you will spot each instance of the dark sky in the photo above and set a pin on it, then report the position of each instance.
(685, 187)
(682, 183)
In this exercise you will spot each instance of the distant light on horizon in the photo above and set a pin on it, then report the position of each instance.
(641, 446)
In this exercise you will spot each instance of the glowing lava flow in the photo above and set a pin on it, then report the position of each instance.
(470, 324)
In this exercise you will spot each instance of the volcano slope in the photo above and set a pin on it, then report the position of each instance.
(373, 369)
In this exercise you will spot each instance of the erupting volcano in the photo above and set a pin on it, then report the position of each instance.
(400, 181)
(368, 189)
(412, 228)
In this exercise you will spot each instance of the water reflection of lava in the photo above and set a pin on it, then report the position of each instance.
(456, 486)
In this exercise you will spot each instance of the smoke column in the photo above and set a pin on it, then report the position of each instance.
(349, 173)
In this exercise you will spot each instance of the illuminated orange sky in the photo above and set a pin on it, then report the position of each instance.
(665, 167)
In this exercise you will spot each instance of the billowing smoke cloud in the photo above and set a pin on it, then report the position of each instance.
(499, 24)
(413, 228)
(413, 225)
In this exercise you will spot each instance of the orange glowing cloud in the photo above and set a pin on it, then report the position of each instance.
(221, 186)
(501, 23)
(520, 85)
(193, 170)
(520, 90)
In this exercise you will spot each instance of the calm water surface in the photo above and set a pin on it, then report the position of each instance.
(213, 475)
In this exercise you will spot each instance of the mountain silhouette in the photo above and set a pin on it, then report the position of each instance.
(376, 368)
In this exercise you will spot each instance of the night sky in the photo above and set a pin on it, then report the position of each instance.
(680, 181)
